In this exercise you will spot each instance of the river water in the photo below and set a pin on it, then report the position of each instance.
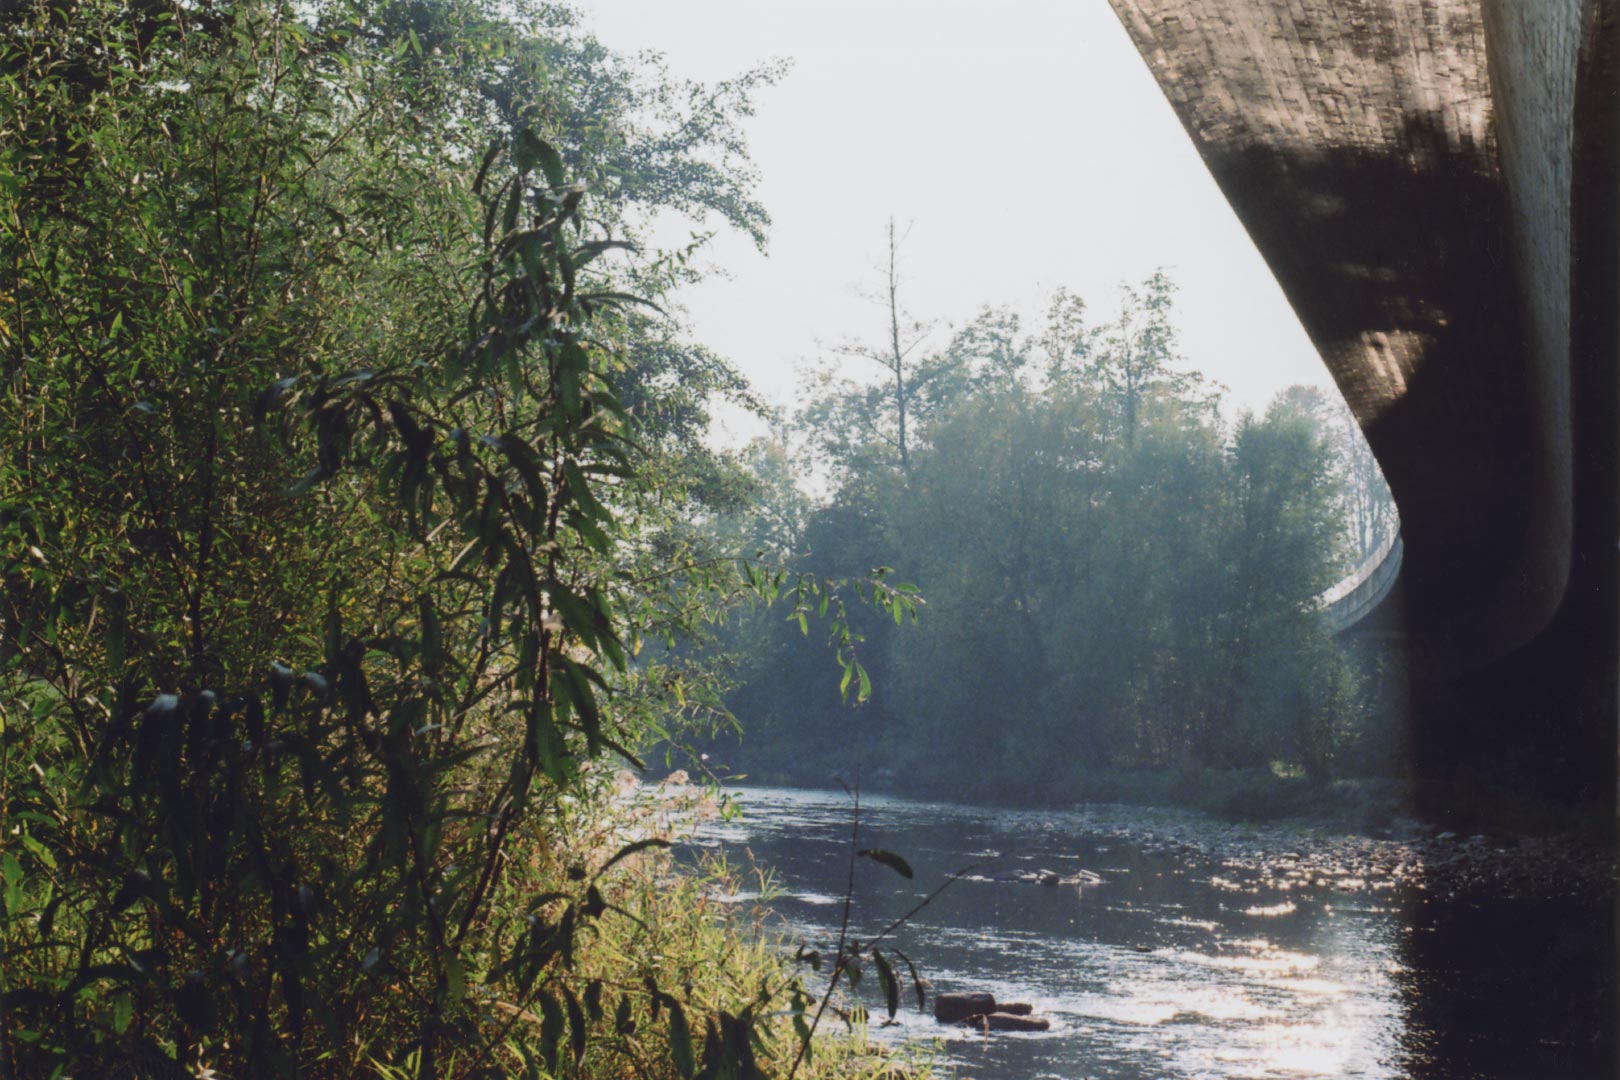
(1206, 950)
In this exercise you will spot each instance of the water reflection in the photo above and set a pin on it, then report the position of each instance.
(1172, 966)
(1511, 990)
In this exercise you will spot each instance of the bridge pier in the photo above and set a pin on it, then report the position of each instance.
(1434, 184)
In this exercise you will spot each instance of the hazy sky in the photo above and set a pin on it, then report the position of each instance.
(1025, 142)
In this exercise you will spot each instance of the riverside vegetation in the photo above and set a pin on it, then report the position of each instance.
(341, 500)
(357, 511)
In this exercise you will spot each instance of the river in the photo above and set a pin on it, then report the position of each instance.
(1206, 950)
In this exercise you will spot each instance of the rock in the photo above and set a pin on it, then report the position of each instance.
(1000, 1021)
(1044, 877)
(951, 1008)
(1015, 1008)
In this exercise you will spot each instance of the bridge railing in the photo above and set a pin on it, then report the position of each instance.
(1350, 599)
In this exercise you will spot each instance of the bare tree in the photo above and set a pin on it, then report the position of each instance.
(904, 336)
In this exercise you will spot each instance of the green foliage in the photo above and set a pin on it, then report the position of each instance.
(339, 501)
(1116, 578)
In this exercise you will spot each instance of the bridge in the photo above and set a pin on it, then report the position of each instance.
(1434, 184)
(1363, 591)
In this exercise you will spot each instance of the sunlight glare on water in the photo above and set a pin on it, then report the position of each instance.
(1161, 969)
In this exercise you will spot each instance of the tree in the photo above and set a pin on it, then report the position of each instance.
(1116, 579)
(326, 557)
(642, 139)
(1133, 357)
(1067, 342)
(864, 416)
(1369, 506)
(1366, 506)
(988, 354)
(1287, 549)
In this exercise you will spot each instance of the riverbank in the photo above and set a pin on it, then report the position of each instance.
(1234, 794)
(1361, 835)
(1365, 805)
(1317, 855)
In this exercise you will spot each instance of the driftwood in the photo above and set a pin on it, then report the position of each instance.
(1003, 1021)
(950, 1008)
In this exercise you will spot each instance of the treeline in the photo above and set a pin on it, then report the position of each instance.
(1117, 577)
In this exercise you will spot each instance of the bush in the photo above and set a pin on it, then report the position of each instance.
(317, 613)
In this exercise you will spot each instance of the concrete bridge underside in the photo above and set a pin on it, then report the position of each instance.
(1434, 184)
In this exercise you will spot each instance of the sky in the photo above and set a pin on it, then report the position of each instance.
(1023, 143)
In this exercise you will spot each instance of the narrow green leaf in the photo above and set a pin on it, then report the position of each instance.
(551, 1030)
(622, 1021)
(11, 871)
(916, 980)
(432, 635)
(579, 489)
(889, 859)
(630, 849)
(455, 974)
(483, 167)
(891, 985)
(577, 1033)
(334, 625)
(680, 1040)
(593, 999)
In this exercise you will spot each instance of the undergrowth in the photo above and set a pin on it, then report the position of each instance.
(679, 938)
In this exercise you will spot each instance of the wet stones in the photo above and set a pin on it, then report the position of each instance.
(954, 1008)
(1049, 878)
(1026, 877)
(980, 1010)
